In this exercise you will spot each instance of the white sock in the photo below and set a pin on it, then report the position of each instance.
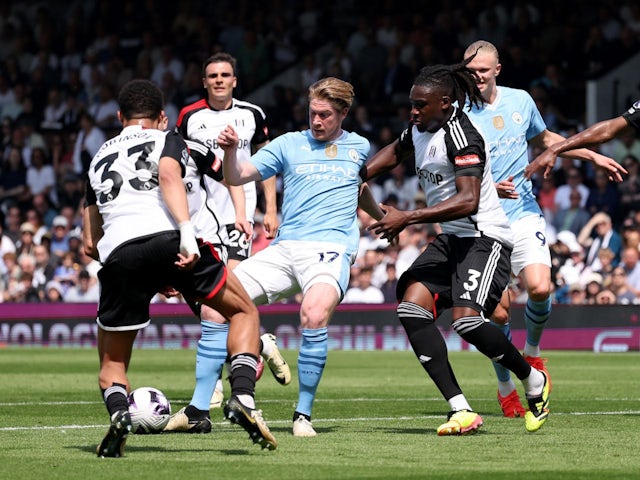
(531, 351)
(533, 383)
(505, 388)
(247, 400)
(458, 403)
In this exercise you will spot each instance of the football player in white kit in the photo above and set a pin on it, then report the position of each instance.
(467, 266)
(137, 224)
(510, 121)
(202, 121)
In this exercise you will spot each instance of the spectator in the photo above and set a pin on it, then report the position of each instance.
(34, 217)
(604, 197)
(624, 294)
(629, 188)
(403, 185)
(631, 266)
(546, 199)
(606, 257)
(13, 181)
(599, 233)
(53, 292)
(85, 291)
(573, 218)
(88, 141)
(606, 297)
(388, 288)
(104, 109)
(26, 242)
(13, 222)
(59, 236)
(6, 244)
(66, 272)
(574, 181)
(44, 267)
(592, 288)
(41, 177)
(363, 291)
(577, 294)
(42, 205)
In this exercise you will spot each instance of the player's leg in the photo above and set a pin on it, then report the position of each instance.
(537, 279)
(531, 261)
(243, 345)
(484, 273)
(114, 350)
(316, 309)
(211, 353)
(507, 393)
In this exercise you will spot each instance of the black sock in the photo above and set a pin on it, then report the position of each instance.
(491, 342)
(115, 398)
(429, 346)
(243, 374)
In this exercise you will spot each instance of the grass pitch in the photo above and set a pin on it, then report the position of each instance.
(376, 415)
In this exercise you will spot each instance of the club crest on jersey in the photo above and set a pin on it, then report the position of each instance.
(498, 122)
(466, 160)
(517, 118)
(331, 150)
(353, 155)
(432, 151)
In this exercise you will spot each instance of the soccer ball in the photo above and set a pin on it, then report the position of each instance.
(149, 409)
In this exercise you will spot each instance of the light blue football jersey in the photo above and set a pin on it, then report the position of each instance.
(507, 125)
(321, 185)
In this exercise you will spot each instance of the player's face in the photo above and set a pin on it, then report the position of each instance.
(325, 122)
(487, 69)
(429, 108)
(219, 82)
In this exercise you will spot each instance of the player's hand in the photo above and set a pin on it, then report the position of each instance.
(228, 138)
(507, 189)
(168, 291)
(271, 224)
(545, 161)
(186, 262)
(189, 251)
(245, 227)
(389, 226)
(609, 165)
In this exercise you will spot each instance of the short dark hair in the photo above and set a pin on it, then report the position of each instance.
(140, 98)
(220, 57)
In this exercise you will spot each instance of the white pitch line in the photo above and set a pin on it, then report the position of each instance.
(323, 420)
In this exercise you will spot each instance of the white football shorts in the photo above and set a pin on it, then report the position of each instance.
(530, 243)
(292, 266)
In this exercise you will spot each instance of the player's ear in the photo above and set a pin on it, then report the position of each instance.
(498, 69)
(120, 117)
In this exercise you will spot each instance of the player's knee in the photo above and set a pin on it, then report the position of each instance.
(314, 316)
(500, 315)
(540, 292)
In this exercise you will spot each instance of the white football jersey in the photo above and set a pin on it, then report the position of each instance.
(123, 183)
(202, 208)
(457, 149)
(199, 121)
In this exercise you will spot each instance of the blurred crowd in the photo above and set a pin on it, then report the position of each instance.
(62, 64)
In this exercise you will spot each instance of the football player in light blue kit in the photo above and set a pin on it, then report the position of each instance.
(317, 240)
(509, 120)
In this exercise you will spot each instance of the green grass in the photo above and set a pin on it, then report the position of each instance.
(376, 415)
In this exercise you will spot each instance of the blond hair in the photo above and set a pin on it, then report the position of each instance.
(478, 45)
(337, 92)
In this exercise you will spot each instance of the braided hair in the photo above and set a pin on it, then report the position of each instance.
(457, 81)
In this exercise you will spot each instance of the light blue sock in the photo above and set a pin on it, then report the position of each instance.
(210, 357)
(311, 360)
(503, 373)
(536, 315)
